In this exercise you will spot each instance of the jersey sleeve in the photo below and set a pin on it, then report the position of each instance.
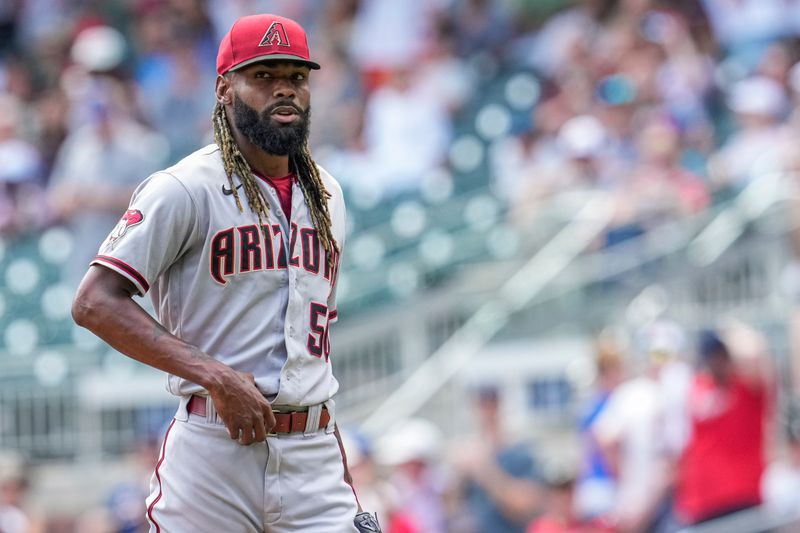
(338, 213)
(333, 312)
(153, 233)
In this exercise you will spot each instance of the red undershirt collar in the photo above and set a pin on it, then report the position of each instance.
(283, 187)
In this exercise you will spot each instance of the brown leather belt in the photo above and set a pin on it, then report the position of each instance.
(286, 422)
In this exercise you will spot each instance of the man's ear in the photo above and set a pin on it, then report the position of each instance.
(224, 90)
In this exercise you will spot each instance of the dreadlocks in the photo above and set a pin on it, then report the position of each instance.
(300, 163)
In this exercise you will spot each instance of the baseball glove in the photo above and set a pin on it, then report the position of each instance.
(367, 523)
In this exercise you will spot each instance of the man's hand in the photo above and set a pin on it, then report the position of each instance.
(245, 411)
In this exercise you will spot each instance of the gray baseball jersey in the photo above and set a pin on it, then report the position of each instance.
(258, 301)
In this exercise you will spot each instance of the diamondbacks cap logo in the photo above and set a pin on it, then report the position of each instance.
(131, 217)
(275, 36)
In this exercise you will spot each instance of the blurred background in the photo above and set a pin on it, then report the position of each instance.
(569, 296)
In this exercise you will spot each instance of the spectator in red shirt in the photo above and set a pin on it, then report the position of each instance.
(721, 467)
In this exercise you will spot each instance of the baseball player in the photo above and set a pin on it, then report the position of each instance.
(238, 245)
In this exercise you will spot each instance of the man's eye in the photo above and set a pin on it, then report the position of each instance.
(299, 77)
(263, 75)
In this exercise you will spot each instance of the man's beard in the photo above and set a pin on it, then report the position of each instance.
(269, 135)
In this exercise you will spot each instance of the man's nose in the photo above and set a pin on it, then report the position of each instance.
(283, 89)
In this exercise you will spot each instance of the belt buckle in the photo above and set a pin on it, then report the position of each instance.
(273, 433)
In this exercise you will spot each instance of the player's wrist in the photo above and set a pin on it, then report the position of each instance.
(213, 378)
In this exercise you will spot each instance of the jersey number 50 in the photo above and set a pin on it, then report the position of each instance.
(319, 343)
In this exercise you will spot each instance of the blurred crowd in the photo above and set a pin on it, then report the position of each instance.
(675, 431)
(666, 109)
(665, 106)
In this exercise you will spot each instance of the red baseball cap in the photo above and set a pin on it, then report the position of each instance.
(263, 37)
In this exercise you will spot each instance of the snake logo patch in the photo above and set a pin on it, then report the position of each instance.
(131, 217)
(275, 36)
